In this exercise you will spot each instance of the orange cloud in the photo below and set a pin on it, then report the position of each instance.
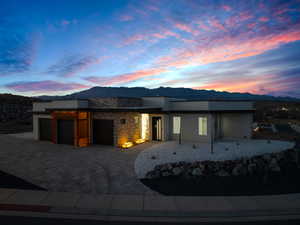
(128, 77)
(259, 84)
(250, 84)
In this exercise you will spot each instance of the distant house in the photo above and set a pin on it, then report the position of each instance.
(118, 120)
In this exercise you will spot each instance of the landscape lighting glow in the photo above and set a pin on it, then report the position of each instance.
(127, 144)
(139, 141)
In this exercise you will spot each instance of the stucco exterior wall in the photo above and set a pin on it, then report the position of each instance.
(236, 125)
(189, 128)
(130, 131)
(36, 132)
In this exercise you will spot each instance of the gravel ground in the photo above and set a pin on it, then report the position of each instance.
(94, 169)
(225, 150)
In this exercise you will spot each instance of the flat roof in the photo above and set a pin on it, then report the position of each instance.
(146, 110)
(203, 100)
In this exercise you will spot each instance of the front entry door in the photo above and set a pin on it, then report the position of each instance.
(156, 129)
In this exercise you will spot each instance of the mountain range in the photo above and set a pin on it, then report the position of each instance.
(185, 93)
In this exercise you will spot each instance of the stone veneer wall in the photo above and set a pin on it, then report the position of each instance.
(130, 131)
(114, 102)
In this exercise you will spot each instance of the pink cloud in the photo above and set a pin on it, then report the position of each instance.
(44, 86)
(245, 16)
(251, 25)
(134, 38)
(186, 28)
(259, 84)
(68, 22)
(160, 34)
(226, 7)
(227, 49)
(127, 77)
(126, 18)
(238, 19)
(263, 19)
(165, 33)
(152, 8)
(216, 24)
(202, 26)
(65, 22)
(245, 84)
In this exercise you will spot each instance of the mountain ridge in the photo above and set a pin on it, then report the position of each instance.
(186, 93)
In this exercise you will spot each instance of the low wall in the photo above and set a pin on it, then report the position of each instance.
(257, 165)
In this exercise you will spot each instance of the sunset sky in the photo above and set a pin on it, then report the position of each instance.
(59, 47)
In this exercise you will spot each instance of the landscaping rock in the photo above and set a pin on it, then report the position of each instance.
(197, 172)
(222, 173)
(263, 165)
(237, 170)
(166, 174)
(252, 168)
(267, 157)
(177, 171)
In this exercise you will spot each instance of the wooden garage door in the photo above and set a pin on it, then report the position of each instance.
(65, 132)
(103, 132)
(45, 129)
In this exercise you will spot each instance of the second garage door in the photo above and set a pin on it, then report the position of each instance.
(103, 132)
(65, 132)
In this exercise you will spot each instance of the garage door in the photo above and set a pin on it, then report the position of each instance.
(45, 129)
(65, 132)
(103, 132)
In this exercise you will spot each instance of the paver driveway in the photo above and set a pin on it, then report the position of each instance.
(94, 169)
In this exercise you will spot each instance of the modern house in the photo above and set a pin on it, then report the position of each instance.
(119, 120)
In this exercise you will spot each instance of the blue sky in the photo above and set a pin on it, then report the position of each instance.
(59, 47)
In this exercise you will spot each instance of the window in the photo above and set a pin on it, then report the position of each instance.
(176, 125)
(202, 126)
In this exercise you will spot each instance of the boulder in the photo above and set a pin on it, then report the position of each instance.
(153, 174)
(223, 173)
(267, 157)
(273, 166)
(177, 171)
(251, 168)
(237, 170)
(197, 172)
(166, 174)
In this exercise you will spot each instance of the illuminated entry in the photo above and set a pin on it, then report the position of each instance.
(202, 126)
(144, 126)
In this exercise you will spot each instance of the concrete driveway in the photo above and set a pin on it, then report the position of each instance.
(94, 169)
